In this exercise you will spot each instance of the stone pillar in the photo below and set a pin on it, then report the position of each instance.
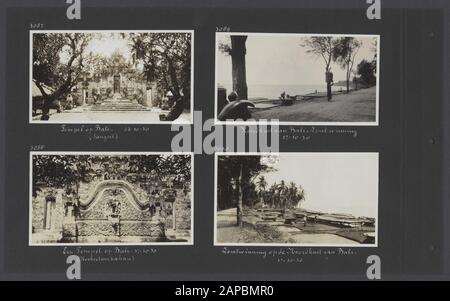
(50, 201)
(174, 216)
(221, 99)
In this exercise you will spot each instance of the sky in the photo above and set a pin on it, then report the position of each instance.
(104, 44)
(107, 43)
(333, 182)
(280, 60)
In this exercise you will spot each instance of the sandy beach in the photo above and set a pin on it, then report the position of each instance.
(229, 232)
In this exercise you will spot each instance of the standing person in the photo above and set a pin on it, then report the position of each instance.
(330, 82)
(305, 220)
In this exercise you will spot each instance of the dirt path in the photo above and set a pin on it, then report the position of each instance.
(229, 232)
(358, 106)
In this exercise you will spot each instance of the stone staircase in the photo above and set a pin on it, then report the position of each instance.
(46, 236)
(118, 104)
(178, 235)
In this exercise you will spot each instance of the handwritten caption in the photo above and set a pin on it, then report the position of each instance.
(101, 133)
(288, 255)
(307, 133)
(105, 254)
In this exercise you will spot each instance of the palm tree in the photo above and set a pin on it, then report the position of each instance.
(292, 194)
(282, 194)
(300, 196)
(273, 195)
(261, 186)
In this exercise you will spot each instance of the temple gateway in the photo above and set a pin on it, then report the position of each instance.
(113, 205)
(118, 87)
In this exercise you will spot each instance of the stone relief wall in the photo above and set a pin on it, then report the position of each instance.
(40, 205)
(100, 219)
(106, 202)
(183, 211)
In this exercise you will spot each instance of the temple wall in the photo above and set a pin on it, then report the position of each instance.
(87, 188)
(183, 211)
(132, 87)
(97, 221)
(99, 210)
(39, 214)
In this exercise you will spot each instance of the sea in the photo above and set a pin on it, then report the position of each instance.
(274, 91)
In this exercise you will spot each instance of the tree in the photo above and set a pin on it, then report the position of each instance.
(261, 186)
(237, 50)
(296, 195)
(166, 58)
(177, 165)
(367, 72)
(234, 178)
(344, 54)
(322, 47)
(65, 171)
(272, 195)
(58, 63)
(59, 171)
(374, 48)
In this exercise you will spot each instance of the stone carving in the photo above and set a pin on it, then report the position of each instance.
(114, 204)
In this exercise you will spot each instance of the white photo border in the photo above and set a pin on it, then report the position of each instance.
(30, 102)
(226, 244)
(108, 153)
(299, 123)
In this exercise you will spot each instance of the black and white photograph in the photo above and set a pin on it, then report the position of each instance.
(111, 198)
(127, 77)
(296, 199)
(297, 79)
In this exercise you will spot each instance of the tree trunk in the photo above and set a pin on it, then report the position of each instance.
(238, 52)
(348, 79)
(173, 78)
(329, 95)
(46, 108)
(239, 186)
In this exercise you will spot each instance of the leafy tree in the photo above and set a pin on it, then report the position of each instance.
(367, 72)
(65, 171)
(57, 63)
(177, 165)
(237, 50)
(273, 197)
(296, 195)
(261, 186)
(323, 47)
(374, 48)
(234, 178)
(59, 171)
(282, 194)
(344, 53)
(166, 58)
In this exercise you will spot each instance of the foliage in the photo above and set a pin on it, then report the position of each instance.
(253, 184)
(284, 196)
(236, 174)
(344, 53)
(367, 72)
(177, 165)
(323, 47)
(64, 171)
(166, 58)
(58, 61)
